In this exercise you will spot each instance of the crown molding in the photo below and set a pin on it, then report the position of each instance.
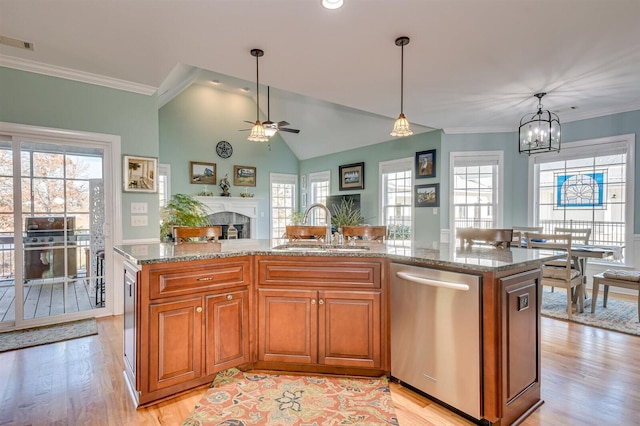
(70, 74)
(463, 130)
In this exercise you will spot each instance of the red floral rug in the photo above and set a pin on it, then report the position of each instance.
(237, 398)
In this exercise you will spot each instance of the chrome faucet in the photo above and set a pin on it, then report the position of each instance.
(328, 214)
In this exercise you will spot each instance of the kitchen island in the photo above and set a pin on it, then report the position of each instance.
(192, 310)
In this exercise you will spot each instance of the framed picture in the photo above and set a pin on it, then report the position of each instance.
(303, 182)
(351, 176)
(202, 173)
(244, 176)
(140, 174)
(426, 164)
(427, 195)
(303, 201)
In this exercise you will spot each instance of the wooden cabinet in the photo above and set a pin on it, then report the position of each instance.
(192, 321)
(323, 312)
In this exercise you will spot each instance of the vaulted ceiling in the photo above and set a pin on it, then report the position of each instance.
(471, 65)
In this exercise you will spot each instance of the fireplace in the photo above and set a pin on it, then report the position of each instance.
(237, 211)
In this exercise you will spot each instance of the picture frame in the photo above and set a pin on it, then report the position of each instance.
(427, 195)
(426, 164)
(140, 174)
(351, 176)
(303, 182)
(244, 176)
(202, 173)
(303, 201)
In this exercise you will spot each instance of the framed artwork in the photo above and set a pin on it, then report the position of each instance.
(202, 173)
(303, 201)
(244, 176)
(351, 176)
(303, 182)
(140, 174)
(427, 195)
(426, 164)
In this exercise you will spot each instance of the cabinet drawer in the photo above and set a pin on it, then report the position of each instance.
(204, 277)
(326, 272)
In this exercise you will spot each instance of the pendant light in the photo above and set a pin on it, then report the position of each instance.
(401, 126)
(257, 131)
(539, 132)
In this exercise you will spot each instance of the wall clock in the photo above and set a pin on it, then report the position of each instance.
(224, 149)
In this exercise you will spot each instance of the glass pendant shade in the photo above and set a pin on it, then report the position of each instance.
(270, 128)
(257, 133)
(539, 132)
(401, 127)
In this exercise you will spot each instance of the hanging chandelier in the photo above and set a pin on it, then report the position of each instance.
(401, 127)
(539, 132)
(257, 131)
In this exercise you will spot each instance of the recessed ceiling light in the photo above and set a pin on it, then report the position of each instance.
(245, 89)
(332, 4)
(215, 82)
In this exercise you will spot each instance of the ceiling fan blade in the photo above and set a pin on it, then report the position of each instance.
(243, 130)
(283, 123)
(284, 129)
(250, 122)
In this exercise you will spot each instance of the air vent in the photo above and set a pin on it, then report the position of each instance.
(16, 43)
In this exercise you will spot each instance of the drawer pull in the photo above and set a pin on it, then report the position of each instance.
(321, 302)
(229, 297)
(199, 309)
(313, 301)
(205, 279)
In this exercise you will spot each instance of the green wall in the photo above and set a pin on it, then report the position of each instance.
(39, 100)
(426, 224)
(192, 124)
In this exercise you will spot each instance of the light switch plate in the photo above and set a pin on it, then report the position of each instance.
(139, 220)
(138, 208)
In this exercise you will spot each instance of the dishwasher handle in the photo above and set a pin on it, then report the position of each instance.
(431, 282)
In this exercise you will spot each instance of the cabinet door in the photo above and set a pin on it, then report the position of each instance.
(226, 331)
(175, 343)
(288, 326)
(130, 323)
(350, 329)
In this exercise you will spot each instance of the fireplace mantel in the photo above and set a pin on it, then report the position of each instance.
(245, 206)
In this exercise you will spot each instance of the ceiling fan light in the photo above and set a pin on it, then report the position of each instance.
(401, 127)
(257, 133)
(270, 129)
(332, 4)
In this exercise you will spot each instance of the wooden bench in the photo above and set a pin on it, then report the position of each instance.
(617, 278)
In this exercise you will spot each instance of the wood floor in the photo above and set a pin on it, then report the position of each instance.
(589, 377)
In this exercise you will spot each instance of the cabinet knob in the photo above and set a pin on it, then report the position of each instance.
(199, 309)
(313, 301)
(229, 297)
(321, 302)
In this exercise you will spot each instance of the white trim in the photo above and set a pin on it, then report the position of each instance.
(394, 166)
(465, 130)
(112, 231)
(498, 196)
(75, 75)
(284, 178)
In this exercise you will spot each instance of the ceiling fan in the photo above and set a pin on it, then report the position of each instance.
(270, 128)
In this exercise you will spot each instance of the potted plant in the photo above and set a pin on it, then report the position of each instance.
(297, 217)
(346, 215)
(182, 210)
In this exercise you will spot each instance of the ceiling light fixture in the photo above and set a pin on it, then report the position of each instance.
(270, 128)
(539, 132)
(401, 126)
(257, 131)
(332, 4)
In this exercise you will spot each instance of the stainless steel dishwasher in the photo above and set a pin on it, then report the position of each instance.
(435, 334)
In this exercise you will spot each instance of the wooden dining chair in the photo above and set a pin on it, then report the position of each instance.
(305, 232)
(371, 233)
(560, 274)
(185, 234)
(579, 235)
(518, 234)
(491, 236)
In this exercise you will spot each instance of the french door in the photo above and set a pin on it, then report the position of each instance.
(54, 262)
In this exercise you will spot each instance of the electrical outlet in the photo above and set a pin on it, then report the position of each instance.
(523, 302)
(435, 210)
(139, 220)
(139, 208)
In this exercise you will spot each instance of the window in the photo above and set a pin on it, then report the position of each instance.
(164, 184)
(587, 185)
(396, 198)
(476, 180)
(319, 184)
(283, 202)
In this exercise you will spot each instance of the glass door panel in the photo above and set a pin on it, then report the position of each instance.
(7, 251)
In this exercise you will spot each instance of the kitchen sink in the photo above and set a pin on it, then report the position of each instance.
(320, 248)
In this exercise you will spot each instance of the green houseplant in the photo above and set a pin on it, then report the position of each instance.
(346, 215)
(182, 210)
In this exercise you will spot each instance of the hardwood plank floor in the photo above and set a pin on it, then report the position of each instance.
(590, 377)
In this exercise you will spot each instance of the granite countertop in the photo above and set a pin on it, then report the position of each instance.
(483, 259)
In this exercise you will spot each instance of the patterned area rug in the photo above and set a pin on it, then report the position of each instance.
(619, 315)
(48, 334)
(238, 399)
